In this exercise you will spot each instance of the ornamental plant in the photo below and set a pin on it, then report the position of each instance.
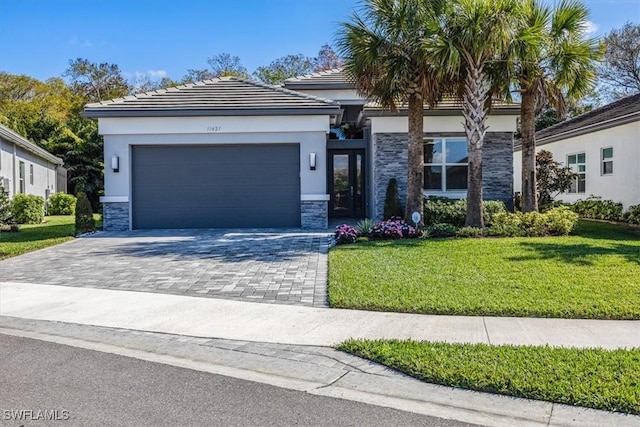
(27, 208)
(345, 234)
(394, 228)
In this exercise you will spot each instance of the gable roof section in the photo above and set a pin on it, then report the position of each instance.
(330, 79)
(622, 111)
(24, 143)
(226, 96)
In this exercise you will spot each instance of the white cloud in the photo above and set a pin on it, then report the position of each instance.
(591, 27)
(156, 74)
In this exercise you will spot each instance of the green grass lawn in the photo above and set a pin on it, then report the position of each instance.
(594, 273)
(55, 229)
(594, 378)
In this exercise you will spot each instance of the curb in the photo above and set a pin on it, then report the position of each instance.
(392, 390)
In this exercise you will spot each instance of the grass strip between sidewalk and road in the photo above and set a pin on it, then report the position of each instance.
(593, 378)
(593, 273)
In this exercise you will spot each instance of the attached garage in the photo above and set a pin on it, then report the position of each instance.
(215, 186)
(223, 153)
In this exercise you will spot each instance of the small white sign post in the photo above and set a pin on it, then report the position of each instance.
(415, 217)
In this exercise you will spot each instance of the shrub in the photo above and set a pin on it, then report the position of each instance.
(469, 232)
(441, 230)
(9, 228)
(345, 234)
(363, 226)
(84, 215)
(440, 210)
(5, 206)
(392, 206)
(632, 216)
(61, 204)
(558, 221)
(595, 208)
(393, 229)
(27, 209)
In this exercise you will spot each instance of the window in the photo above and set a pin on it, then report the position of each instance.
(607, 161)
(31, 174)
(577, 164)
(445, 164)
(21, 177)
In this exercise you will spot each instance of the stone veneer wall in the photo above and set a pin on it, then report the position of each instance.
(390, 161)
(314, 215)
(115, 216)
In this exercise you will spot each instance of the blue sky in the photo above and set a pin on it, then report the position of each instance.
(166, 37)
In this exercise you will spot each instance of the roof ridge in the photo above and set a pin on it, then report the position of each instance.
(279, 88)
(315, 74)
(591, 113)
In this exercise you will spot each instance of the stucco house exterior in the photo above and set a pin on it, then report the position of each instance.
(230, 152)
(602, 146)
(27, 168)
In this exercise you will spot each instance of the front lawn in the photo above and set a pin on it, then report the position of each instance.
(55, 229)
(594, 378)
(594, 273)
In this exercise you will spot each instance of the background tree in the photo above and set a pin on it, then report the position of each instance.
(96, 82)
(383, 52)
(620, 70)
(473, 34)
(220, 65)
(553, 177)
(555, 61)
(327, 59)
(284, 68)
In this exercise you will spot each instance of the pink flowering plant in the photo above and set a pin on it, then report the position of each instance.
(345, 234)
(393, 228)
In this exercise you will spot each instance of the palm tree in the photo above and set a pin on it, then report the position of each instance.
(475, 34)
(384, 55)
(554, 62)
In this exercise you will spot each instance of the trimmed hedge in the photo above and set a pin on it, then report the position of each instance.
(27, 208)
(596, 208)
(441, 210)
(61, 204)
(555, 222)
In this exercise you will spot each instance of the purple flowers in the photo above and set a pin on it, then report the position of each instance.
(345, 234)
(394, 228)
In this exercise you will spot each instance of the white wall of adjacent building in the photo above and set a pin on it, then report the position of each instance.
(622, 185)
(39, 174)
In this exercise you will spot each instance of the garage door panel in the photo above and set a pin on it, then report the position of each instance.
(216, 186)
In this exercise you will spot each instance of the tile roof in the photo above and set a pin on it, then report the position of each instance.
(618, 112)
(222, 96)
(21, 141)
(329, 79)
(445, 106)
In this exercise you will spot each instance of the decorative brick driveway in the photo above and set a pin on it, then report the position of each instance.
(251, 265)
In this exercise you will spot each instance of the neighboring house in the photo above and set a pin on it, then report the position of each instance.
(27, 168)
(602, 147)
(235, 153)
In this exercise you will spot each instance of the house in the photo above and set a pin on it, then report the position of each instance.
(230, 152)
(602, 146)
(27, 168)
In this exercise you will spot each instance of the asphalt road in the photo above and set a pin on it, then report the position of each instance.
(88, 388)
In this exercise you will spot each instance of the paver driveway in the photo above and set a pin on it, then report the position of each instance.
(253, 265)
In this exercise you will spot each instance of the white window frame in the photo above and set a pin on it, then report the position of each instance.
(443, 188)
(604, 160)
(576, 169)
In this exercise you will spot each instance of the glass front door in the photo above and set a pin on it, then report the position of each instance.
(346, 183)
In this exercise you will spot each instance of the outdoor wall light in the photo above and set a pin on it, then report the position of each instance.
(312, 161)
(115, 163)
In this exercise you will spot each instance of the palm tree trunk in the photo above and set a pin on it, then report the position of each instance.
(475, 113)
(415, 172)
(527, 124)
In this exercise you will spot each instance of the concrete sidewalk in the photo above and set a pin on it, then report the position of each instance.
(226, 319)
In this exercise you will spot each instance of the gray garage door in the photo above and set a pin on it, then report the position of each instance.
(216, 186)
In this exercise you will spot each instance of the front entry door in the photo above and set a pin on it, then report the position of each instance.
(346, 183)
